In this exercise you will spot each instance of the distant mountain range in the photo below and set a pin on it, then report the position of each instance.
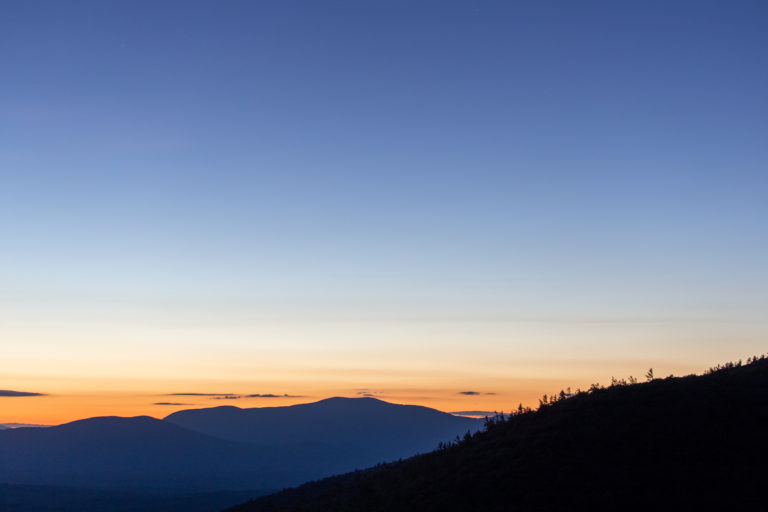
(146, 453)
(222, 448)
(679, 443)
(687, 443)
(374, 430)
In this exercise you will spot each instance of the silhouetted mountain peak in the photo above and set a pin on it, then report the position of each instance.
(336, 400)
(347, 404)
(332, 405)
(113, 420)
(347, 399)
(132, 426)
(369, 429)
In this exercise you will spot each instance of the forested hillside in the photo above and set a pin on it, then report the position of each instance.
(695, 442)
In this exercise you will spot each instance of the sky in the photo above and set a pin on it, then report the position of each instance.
(462, 205)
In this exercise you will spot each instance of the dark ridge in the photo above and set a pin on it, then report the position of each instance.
(144, 453)
(685, 443)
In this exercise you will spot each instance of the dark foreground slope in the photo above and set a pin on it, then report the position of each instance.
(690, 443)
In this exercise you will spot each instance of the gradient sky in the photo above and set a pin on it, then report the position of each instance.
(411, 199)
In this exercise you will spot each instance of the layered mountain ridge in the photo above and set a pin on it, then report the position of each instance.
(377, 430)
(223, 448)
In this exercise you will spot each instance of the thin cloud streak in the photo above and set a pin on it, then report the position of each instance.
(11, 393)
(473, 413)
(235, 396)
(270, 395)
(368, 393)
(200, 394)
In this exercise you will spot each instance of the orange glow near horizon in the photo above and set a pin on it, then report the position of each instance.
(100, 369)
(58, 409)
(118, 357)
(161, 397)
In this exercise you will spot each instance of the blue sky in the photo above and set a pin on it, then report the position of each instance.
(438, 174)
